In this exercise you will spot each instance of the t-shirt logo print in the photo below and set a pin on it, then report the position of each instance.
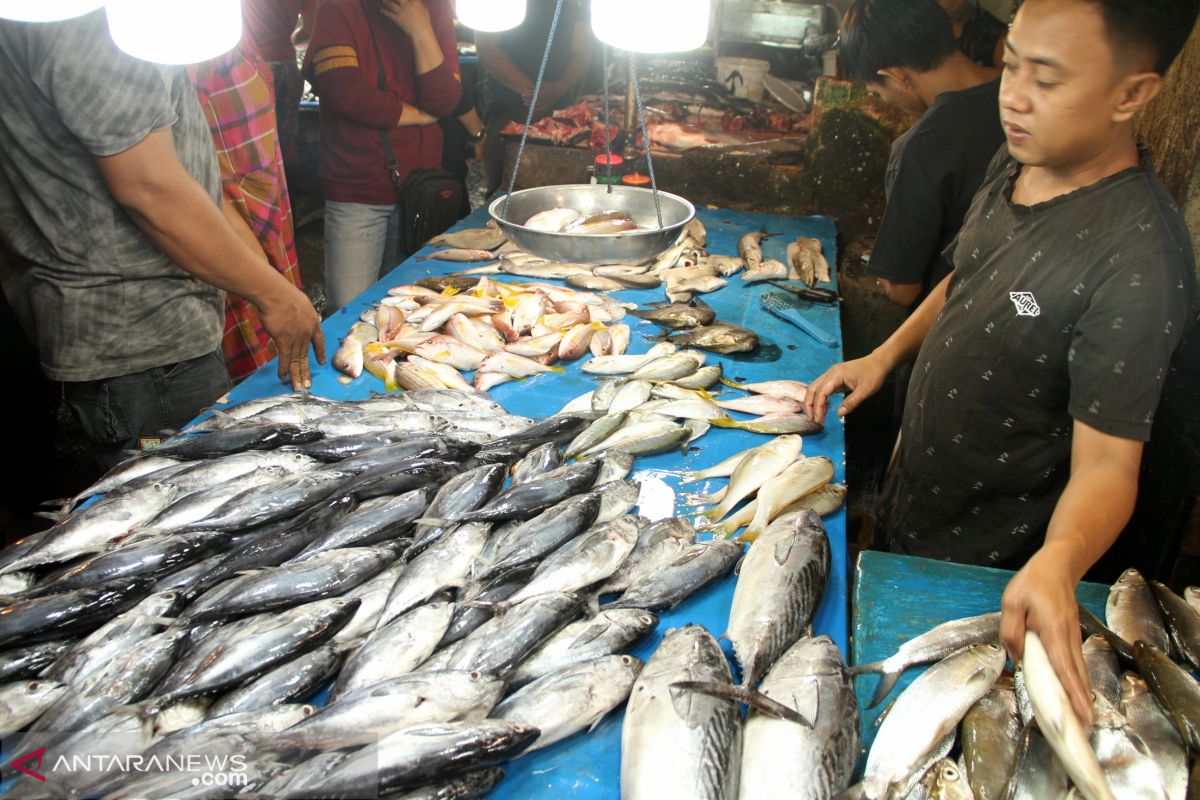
(1026, 304)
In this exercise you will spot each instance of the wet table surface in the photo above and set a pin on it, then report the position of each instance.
(588, 764)
(898, 597)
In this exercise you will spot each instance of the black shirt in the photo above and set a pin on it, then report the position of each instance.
(526, 44)
(1067, 310)
(935, 168)
(979, 36)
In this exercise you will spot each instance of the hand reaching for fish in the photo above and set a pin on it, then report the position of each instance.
(863, 377)
(1041, 598)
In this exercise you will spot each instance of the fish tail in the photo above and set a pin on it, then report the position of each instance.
(727, 422)
(731, 384)
(741, 694)
(887, 680)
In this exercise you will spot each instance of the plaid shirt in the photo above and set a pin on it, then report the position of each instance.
(237, 96)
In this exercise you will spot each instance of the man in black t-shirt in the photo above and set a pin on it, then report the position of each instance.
(979, 33)
(1038, 363)
(511, 60)
(905, 51)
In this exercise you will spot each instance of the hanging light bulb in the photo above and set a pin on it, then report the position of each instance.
(46, 10)
(175, 31)
(651, 26)
(490, 16)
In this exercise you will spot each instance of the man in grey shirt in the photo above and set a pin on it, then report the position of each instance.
(110, 205)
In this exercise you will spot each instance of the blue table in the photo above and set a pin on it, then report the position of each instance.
(899, 597)
(587, 765)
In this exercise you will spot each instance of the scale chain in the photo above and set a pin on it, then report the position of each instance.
(637, 95)
(537, 90)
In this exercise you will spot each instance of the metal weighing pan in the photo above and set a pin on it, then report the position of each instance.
(630, 247)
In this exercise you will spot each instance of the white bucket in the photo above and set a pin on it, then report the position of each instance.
(743, 76)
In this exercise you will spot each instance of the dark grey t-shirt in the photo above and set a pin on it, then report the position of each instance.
(935, 168)
(1067, 310)
(96, 295)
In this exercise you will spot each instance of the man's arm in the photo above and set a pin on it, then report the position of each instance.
(863, 376)
(1093, 509)
(148, 181)
(902, 294)
(501, 67)
(581, 56)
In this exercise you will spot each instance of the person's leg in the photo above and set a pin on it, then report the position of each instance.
(393, 246)
(356, 238)
(129, 412)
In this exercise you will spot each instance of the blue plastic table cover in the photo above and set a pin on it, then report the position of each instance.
(588, 764)
(898, 597)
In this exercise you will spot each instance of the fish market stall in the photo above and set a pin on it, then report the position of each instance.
(587, 765)
(361, 590)
(941, 717)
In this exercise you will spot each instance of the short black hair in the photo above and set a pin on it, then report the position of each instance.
(880, 34)
(1159, 27)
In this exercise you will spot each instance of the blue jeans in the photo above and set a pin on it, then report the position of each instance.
(118, 414)
(361, 243)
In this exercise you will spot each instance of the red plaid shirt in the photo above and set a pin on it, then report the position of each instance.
(238, 99)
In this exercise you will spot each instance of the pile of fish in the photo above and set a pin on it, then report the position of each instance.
(418, 338)
(683, 734)
(781, 481)
(1017, 736)
(433, 557)
(568, 220)
(685, 270)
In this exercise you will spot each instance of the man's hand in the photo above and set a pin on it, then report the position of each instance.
(410, 16)
(293, 323)
(1041, 598)
(547, 97)
(862, 377)
(480, 149)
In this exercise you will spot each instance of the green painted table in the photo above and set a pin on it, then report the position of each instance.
(898, 597)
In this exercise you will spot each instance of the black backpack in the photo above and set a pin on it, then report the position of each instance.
(430, 200)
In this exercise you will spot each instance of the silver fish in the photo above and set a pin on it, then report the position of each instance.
(596, 432)
(1182, 621)
(780, 585)
(700, 565)
(1129, 768)
(749, 247)
(395, 649)
(1147, 720)
(445, 565)
(363, 716)
(617, 498)
(589, 558)
(989, 740)
(1133, 614)
(503, 641)
(929, 709)
(607, 633)
(92, 529)
(677, 744)
(327, 574)
(290, 681)
(1036, 773)
(541, 459)
(781, 758)
(573, 699)
(258, 645)
(1057, 721)
(22, 702)
(1104, 673)
(658, 545)
(262, 504)
(118, 635)
(933, 645)
(413, 755)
